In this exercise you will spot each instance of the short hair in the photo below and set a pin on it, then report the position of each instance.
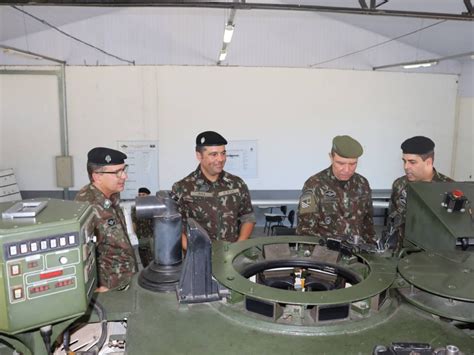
(144, 190)
(200, 148)
(93, 168)
(427, 155)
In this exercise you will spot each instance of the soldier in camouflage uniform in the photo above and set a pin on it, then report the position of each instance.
(218, 201)
(116, 261)
(336, 202)
(144, 229)
(418, 157)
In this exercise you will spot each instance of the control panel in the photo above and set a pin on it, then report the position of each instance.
(47, 260)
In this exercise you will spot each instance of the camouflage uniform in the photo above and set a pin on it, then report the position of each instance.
(217, 206)
(115, 255)
(144, 231)
(398, 204)
(332, 208)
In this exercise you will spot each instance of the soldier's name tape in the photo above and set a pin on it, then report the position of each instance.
(211, 194)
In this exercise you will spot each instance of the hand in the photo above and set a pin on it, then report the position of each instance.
(102, 289)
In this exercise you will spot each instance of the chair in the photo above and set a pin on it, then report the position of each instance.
(271, 218)
(291, 218)
(281, 229)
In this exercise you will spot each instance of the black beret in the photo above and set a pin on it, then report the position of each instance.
(105, 156)
(210, 138)
(417, 145)
(143, 190)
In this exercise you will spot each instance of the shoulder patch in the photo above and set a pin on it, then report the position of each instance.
(307, 203)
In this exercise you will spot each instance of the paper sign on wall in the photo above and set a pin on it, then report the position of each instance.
(242, 158)
(142, 160)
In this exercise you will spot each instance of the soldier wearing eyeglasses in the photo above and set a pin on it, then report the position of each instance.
(116, 261)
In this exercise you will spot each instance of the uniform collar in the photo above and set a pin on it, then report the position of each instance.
(101, 199)
(342, 184)
(201, 176)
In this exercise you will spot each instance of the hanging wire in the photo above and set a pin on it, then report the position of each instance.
(418, 39)
(26, 32)
(378, 44)
(44, 22)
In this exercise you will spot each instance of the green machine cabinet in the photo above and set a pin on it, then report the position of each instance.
(432, 226)
(47, 263)
(439, 275)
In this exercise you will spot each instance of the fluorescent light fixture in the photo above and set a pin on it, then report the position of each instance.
(424, 63)
(420, 65)
(228, 32)
(21, 54)
(28, 54)
(222, 55)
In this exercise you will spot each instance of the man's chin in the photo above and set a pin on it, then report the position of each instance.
(344, 178)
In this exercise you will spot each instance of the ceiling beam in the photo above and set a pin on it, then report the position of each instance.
(468, 16)
(468, 5)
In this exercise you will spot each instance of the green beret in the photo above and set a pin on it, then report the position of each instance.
(417, 145)
(210, 138)
(347, 147)
(105, 156)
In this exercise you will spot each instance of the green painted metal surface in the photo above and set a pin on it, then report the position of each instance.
(439, 275)
(385, 307)
(157, 324)
(42, 283)
(382, 273)
(428, 224)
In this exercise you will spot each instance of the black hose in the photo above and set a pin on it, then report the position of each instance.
(46, 333)
(66, 340)
(102, 317)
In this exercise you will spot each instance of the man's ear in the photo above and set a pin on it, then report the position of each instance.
(430, 161)
(199, 156)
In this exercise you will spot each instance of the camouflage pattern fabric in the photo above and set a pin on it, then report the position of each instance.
(115, 256)
(332, 208)
(398, 205)
(144, 231)
(217, 206)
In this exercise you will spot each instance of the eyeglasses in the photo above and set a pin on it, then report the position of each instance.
(118, 173)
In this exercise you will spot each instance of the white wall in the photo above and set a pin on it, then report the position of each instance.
(464, 159)
(464, 145)
(293, 113)
(30, 137)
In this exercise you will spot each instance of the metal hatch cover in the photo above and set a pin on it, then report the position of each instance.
(450, 276)
(382, 273)
(440, 285)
